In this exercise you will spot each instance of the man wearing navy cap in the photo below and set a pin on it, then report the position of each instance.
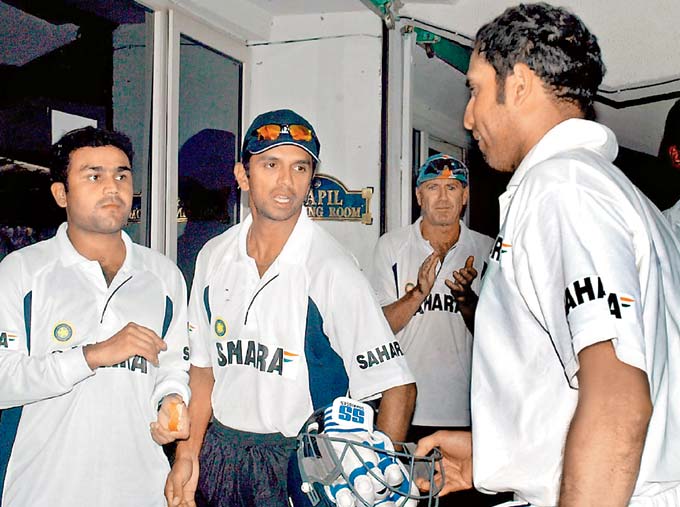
(281, 323)
(427, 300)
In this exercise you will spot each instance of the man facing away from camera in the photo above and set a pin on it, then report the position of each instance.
(576, 358)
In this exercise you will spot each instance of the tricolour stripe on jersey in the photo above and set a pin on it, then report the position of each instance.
(327, 376)
(9, 422)
(168, 316)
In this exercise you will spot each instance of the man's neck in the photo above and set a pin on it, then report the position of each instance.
(265, 240)
(441, 237)
(107, 249)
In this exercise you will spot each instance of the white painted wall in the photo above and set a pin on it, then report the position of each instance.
(638, 41)
(440, 96)
(327, 67)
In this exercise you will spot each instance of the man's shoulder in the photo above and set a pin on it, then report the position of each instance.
(393, 242)
(330, 262)
(398, 235)
(325, 249)
(155, 260)
(477, 239)
(35, 255)
(22, 267)
(220, 244)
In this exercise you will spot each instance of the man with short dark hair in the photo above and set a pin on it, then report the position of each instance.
(576, 358)
(92, 345)
(282, 322)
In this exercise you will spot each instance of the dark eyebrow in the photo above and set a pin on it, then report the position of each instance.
(302, 161)
(98, 168)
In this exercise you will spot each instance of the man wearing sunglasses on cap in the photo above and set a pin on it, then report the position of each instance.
(425, 276)
(281, 323)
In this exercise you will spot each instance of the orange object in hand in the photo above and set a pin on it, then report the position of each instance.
(175, 414)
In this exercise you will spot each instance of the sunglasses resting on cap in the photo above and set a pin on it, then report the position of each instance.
(442, 166)
(280, 127)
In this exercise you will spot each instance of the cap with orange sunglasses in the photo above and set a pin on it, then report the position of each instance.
(275, 128)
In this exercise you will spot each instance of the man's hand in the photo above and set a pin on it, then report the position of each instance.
(427, 274)
(399, 313)
(461, 288)
(132, 340)
(173, 421)
(180, 487)
(456, 449)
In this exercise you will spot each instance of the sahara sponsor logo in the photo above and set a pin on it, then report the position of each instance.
(499, 247)
(257, 355)
(379, 355)
(8, 340)
(435, 302)
(591, 288)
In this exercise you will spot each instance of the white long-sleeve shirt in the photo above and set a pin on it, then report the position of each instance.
(78, 437)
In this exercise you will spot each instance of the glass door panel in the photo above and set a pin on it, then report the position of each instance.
(204, 140)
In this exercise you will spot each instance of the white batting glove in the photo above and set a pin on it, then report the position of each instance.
(367, 469)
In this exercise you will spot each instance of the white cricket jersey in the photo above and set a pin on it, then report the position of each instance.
(673, 216)
(290, 342)
(582, 256)
(437, 344)
(83, 436)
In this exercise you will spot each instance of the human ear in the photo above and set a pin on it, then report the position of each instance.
(520, 83)
(241, 177)
(59, 193)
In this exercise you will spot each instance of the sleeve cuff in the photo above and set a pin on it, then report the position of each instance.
(171, 387)
(74, 367)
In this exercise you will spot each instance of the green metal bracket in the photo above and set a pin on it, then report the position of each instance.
(456, 55)
(423, 36)
(381, 5)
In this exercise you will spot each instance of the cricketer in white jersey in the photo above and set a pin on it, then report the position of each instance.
(78, 437)
(576, 358)
(581, 257)
(290, 342)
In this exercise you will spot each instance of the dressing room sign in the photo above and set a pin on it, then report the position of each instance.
(329, 199)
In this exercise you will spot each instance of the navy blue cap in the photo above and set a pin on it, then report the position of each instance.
(254, 144)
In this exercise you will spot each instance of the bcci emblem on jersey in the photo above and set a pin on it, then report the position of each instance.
(220, 328)
(62, 332)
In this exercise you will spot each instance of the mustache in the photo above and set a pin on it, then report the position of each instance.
(110, 200)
